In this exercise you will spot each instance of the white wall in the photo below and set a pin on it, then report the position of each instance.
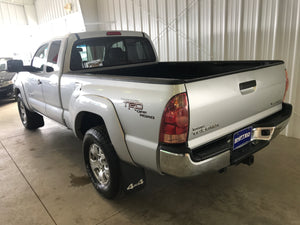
(89, 12)
(11, 14)
(49, 10)
(16, 27)
(218, 30)
(54, 20)
(30, 14)
(33, 22)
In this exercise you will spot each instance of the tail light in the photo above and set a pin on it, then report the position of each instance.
(286, 84)
(175, 120)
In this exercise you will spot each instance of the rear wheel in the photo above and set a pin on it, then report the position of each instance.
(30, 120)
(101, 161)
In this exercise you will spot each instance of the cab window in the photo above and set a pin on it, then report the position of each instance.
(53, 55)
(102, 52)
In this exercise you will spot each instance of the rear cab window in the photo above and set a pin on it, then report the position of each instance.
(105, 52)
(53, 55)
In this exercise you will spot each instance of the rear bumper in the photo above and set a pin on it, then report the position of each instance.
(218, 154)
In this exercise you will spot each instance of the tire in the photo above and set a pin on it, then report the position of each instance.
(101, 162)
(30, 120)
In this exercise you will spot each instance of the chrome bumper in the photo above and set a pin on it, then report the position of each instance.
(182, 165)
(268, 133)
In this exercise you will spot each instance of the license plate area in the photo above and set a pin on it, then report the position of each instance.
(241, 138)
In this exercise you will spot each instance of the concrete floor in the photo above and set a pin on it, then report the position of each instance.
(43, 181)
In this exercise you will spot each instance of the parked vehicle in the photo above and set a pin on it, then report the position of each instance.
(6, 80)
(133, 112)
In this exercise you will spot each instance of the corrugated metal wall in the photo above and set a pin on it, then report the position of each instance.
(218, 30)
(54, 20)
(51, 10)
(14, 22)
(11, 14)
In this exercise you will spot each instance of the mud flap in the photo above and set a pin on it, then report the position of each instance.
(133, 178)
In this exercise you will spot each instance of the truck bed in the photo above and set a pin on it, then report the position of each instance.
(186, 71)
(241, 92)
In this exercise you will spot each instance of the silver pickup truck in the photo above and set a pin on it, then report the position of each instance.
(133, 112)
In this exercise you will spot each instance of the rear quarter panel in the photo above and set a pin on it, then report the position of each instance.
(138, 106)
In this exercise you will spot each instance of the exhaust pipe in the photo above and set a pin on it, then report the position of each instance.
(249, 160)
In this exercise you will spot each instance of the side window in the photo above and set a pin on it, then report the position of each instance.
(53, 54)
(39, 59)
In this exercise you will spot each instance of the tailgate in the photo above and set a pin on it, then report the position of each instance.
(222, 105)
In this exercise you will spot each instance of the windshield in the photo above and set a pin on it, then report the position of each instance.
(2, 66)
(112, 51)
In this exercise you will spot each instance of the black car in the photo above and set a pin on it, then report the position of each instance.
(6, 81)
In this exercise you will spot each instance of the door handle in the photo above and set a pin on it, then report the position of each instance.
(78, 85)
(77, 89)
(39, 82)
(247, 87)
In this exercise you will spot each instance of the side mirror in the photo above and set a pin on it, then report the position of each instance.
(49, 69)
(14, 66)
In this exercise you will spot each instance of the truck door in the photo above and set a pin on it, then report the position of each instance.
(51, 80)
(34, 86)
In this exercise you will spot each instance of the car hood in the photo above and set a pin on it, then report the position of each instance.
(6, 76)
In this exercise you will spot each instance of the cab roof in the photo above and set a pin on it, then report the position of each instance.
(114, 33)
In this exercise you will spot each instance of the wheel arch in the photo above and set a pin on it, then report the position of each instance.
(86, 120)
(90, 111)
(17, 91)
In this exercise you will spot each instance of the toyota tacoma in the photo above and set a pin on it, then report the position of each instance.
(134, 112)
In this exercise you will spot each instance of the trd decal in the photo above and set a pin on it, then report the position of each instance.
(138, 107)
(134, 105)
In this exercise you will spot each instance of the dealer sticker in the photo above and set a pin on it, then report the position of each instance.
(242, 138)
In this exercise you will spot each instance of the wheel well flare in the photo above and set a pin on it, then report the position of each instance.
(85, 121)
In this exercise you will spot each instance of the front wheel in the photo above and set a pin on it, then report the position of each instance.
(30, 120)
(101, 161)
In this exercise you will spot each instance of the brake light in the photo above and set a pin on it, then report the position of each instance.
(175, 121)
(286, 84)
(113, 33)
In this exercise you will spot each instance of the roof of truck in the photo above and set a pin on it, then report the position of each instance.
(93, 34)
